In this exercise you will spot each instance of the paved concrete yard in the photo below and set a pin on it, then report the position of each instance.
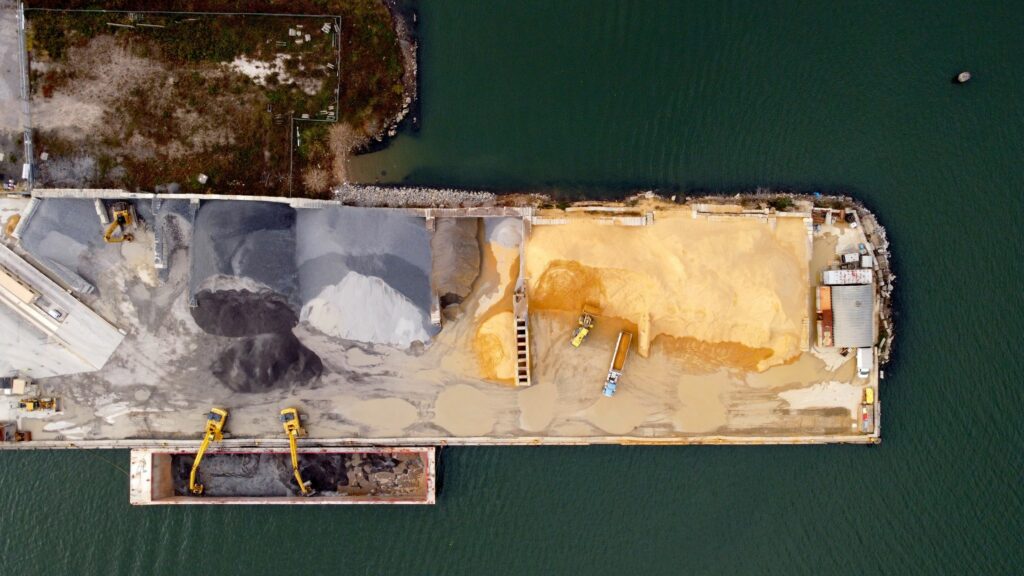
(258, 342)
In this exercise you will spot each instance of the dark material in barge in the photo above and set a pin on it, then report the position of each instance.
(264, 476)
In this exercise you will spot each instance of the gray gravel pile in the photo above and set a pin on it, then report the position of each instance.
(66, 236)
(249, 241)
(337, 246)
(245, 283)
(456, 251)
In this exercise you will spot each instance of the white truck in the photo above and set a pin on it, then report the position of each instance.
(865, 359)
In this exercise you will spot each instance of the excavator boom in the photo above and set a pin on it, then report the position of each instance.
(124, 218)
(292, 427)
(214, 433)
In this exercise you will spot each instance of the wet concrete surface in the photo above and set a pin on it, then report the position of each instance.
(270, 474)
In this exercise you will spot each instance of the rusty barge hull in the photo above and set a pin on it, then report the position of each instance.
(156, 478)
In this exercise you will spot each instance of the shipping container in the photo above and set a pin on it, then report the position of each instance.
(847, 277)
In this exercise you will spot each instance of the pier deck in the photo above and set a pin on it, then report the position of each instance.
(719, 367)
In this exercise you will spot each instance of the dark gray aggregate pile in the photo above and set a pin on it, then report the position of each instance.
(266, 361)
(249, 240)
(456, 252)
(250, 248)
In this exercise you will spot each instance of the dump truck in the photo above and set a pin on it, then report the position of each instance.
(618, 362)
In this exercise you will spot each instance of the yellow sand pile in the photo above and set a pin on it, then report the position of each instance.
(736, 282)
(494, 342)
(495, 347)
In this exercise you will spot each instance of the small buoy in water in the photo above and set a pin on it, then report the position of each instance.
(962, 78)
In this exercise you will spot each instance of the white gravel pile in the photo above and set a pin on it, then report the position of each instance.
(366, 309)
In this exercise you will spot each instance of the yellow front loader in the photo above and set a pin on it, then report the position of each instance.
(585, 325)
(214, 433)
(292, 427)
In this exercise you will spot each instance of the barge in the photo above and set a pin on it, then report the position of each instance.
(338, 476)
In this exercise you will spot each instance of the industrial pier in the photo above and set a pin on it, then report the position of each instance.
(73, 325)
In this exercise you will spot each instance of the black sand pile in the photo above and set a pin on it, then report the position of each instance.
(267, 361)
(237, 313)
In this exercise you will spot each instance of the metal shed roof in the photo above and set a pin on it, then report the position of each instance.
(853, 316)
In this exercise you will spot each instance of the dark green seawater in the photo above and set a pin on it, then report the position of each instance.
(578, 96)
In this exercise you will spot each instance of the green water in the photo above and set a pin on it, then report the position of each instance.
(594, 96)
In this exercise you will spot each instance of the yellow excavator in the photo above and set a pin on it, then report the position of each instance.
(215, 419)
(292, 427)
(123, 219)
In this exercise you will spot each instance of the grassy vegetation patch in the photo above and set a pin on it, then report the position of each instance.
(233, 97)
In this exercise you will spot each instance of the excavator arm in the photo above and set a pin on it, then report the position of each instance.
(213, 433)
(292, 427)
(123, 219)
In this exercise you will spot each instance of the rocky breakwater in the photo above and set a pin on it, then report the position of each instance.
(245, 282)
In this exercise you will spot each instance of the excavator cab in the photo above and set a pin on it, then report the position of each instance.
(293, 428)
(123, 219)
(214, 432)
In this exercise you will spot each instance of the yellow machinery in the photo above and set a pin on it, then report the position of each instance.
(123, 220)
(33, 404)
(869, 395)
(214, 433)
(586, 324)
(292, 427)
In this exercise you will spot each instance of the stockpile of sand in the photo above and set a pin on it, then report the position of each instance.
(495, 347)
(364, 275)
(494, 343)
(737, 282)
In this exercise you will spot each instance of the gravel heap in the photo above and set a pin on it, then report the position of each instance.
(365, 274)
(381, 196)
